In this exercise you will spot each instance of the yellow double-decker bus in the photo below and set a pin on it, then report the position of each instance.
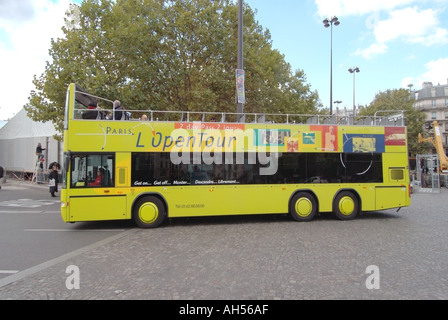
(150, 165)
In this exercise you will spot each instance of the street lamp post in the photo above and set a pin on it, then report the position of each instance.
(354, 70)
(410, 94)
(337, 102)
(240, 102)
(329, 23)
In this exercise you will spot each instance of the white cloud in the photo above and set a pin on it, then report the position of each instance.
(25, 36)
(372, 50)
(355, 7)
(13, 10)
(438, 37)
(411, 57)
(437, 73)
(404, 22)
(407, 81)
(411, 25)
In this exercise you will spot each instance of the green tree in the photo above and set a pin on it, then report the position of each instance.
(399, 99)
(167, 55)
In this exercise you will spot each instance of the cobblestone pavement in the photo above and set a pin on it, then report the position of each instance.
(263, 257)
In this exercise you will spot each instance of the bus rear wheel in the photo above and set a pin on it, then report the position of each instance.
(346, 205)
(149, 212)
(303, 207)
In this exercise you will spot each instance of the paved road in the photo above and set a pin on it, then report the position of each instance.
(32, 231)
(400, 255)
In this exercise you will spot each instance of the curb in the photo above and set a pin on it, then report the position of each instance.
(25, 184)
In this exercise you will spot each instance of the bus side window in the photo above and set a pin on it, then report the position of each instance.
(396, 174)
(106, 182)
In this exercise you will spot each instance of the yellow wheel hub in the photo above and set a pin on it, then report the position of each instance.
(304, 207)
(346, 206)
(148, 212)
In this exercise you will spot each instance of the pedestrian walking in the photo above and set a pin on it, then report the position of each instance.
(53, 179)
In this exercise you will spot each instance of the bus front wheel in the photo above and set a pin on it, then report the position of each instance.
(346, 205)
(149, 212)
(303, 207)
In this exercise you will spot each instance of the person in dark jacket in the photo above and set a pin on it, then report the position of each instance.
(53, 179)
(1, 176)
(120, 111)
(39, 150)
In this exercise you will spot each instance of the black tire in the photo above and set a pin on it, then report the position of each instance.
(149, 212)
(303, 207)
(346, 205)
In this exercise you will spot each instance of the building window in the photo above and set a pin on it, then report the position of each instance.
(433, 115)
(446, 114)
(433, 103)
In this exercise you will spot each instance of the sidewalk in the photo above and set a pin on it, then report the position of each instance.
(14, 182)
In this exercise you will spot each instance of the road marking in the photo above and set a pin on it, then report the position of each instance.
(75, 230)
(22, 211)
(28, 211)
(9, 271)
(30, 271)
(27, 203)
(12, 188)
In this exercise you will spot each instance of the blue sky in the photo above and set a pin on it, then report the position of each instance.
(393, 42)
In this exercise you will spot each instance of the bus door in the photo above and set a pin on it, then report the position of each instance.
(93, 195)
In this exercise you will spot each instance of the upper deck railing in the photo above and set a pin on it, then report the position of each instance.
(81, 112)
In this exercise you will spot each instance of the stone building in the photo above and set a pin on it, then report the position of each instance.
(433, 101)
